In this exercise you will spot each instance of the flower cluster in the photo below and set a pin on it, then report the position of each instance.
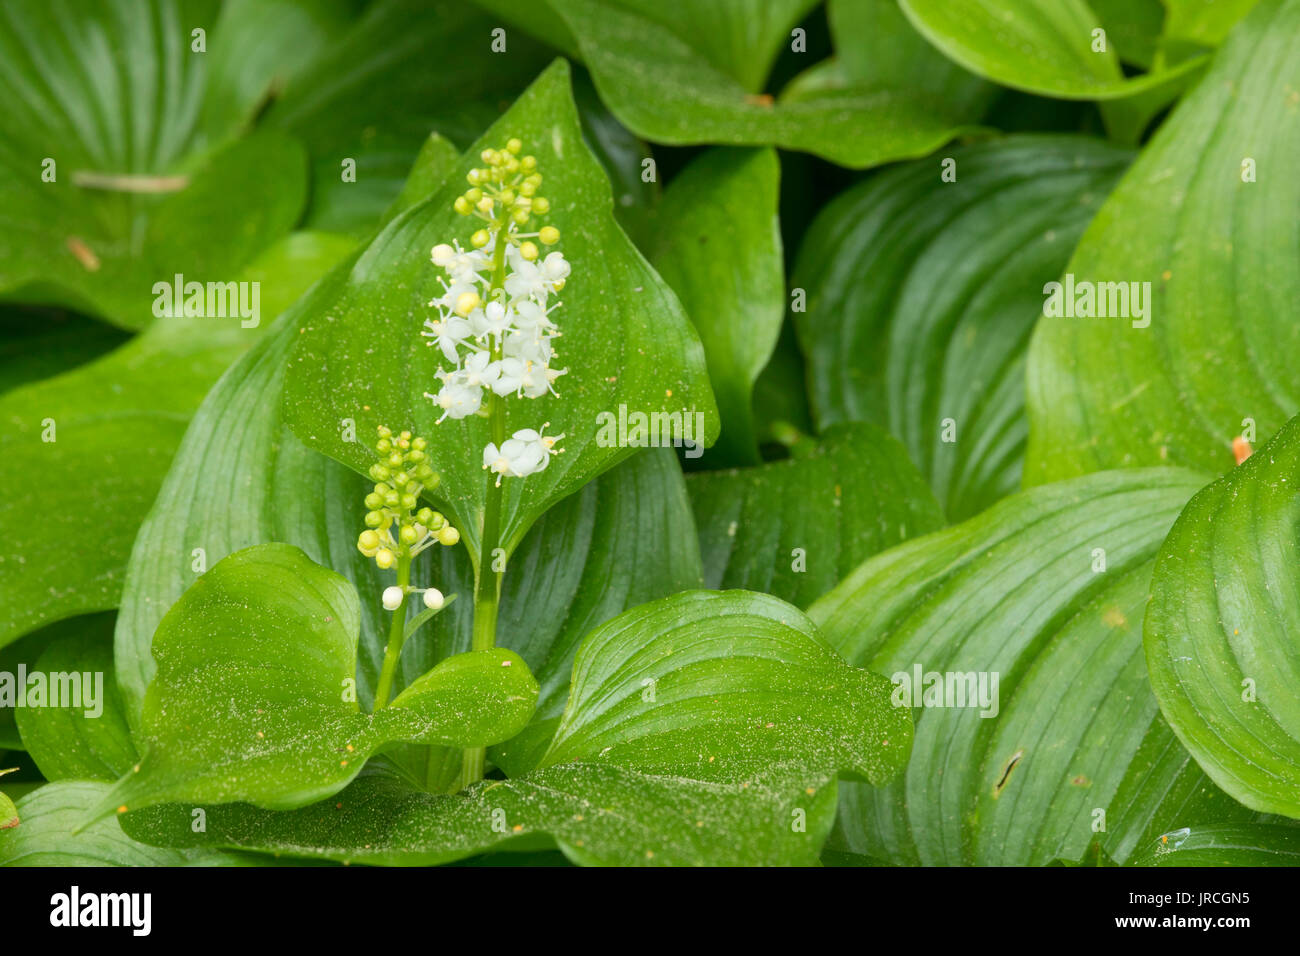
(494, 322)
(396, 525)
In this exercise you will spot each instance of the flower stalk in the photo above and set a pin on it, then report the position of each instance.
(494, 327)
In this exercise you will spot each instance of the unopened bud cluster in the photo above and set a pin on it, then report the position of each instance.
(494, 317)
(396, 524)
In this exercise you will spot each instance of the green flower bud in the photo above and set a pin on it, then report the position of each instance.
(374, 501)
(407, 535)
(541, 205)
(462, 206)
(374, 519)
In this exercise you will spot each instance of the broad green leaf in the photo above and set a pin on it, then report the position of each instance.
(795, 528)
(886, 96)
(702, 728)
(625, 539)
(598, 815)
(718, 244)
(273, 636)
(1259, 844)
(1205, 22)
(725, 687)
(44, 835)
(1049, 47)
(627, 345)
(1018, 592)
(1220, 631)
(943, 281)
(84, 735)
(1212, 353)
(115, 424)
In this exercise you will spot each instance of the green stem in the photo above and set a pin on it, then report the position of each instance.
(396, 635)
(487, 582)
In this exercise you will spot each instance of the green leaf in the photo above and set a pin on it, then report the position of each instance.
(1259, 844)
(1220, 631)
(1205, 22)
(718, 244)
(943, 281)
(85, 737)
(725, 687)
(361, 356)
(1015, 592)
(44, 835)
(1040, 46)
(702, 728)
(273, 636)
(794, 528)
(598, 815)
(114, 424)
(887, 96)
(1218, 253)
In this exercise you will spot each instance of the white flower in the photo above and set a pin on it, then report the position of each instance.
(448, 334)
(524, 453)
(433, 598)
(513, 372)
(496, 320)
(459, 264)
(392, 598)
(480, 371)
(455, 398)
(531, 280)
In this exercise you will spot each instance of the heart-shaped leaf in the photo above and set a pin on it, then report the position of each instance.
(1052, 47)
(1202, 230)
(718, 244)
(701, 728)
(887, 96)
(794, 528)
(598, 815)
(1043, 587)
(943, 280)
(725, 687)
(1220, 631)
(272, 636)
(361, 357)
